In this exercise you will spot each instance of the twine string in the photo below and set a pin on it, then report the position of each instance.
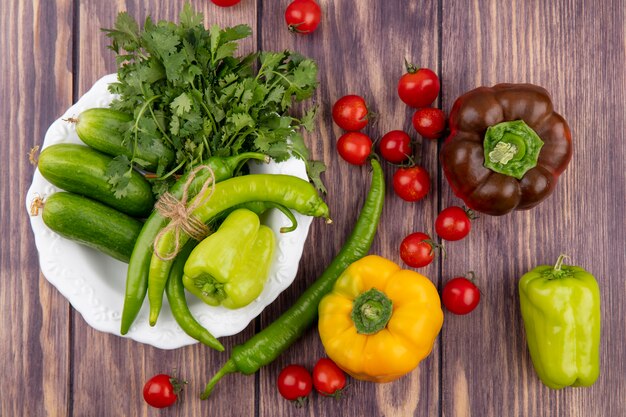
(180, 214)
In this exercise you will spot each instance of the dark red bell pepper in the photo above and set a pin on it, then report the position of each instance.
(506, 149)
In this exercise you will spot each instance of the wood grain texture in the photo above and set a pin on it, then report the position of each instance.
(359, 50)
(59, 366)
(576, 51)
(35, 86)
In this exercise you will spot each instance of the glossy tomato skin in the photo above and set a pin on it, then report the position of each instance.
(416, 250)
(412, 183)
(460, 296)
(395, 146)
(303, 16)
(159, 391)
(225, 3)
(419, 88)
(294, 382)
(453, 223)
(350, 113)
(328, 378)
(354, 147)
(429, 122)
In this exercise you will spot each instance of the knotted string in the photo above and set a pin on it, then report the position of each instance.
(180, 214)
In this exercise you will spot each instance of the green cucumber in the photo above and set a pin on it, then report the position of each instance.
(102, 128)
(82, 170)
(92, 224)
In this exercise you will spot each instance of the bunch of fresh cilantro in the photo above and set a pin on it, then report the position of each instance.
(185, 87)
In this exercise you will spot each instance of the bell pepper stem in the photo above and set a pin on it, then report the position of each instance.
(559, 262)
(511, 148)
(371, 311)
(228, 368)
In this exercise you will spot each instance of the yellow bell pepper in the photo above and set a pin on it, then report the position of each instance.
(379, 321)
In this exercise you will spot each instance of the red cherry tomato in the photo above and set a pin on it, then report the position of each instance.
(162, 390)
(354, 147)
(453, 223)
(295, 383)
(460, 295)
(303, 16)
(395, 146)
(429, 122)
(328, 378)
(225, 3)
(418, 87)
(350, 113)
(417, 250)
(412, 183)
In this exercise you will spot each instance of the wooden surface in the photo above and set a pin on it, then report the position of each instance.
(54, 364)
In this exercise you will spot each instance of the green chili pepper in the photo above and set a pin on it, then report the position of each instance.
(287, 190)
(139, 264)
(230, 267)
(178, 303)
(560, 306)
(268, 344)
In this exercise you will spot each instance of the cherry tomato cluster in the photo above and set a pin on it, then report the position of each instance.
(295, 383)
(419, 89)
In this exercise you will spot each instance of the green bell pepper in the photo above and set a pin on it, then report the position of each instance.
(560, 307)
(230, 266)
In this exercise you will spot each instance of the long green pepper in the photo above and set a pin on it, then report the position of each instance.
(139, 264)
(287, 190)
(178, 303)
(268, 344)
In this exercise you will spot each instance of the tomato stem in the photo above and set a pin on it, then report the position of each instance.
(410, 68)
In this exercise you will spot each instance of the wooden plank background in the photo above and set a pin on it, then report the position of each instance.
(54, 364)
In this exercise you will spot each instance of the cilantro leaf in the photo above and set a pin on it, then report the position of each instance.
(118, 175)
(181, 104)
(314, 169)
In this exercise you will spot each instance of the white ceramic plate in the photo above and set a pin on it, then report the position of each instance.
(94, 283)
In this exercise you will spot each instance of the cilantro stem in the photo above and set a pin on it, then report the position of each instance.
(232, 137)
(140, 114)
(172, 172)
(206, 144)
(156, 122)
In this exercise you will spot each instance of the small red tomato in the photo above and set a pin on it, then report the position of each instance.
(162, 390)
(460, 295)
(350, 113)
(395, 146)
(295, 383)
(225, 3)
(412, 183)
(354, 147)
(303, 16)
(418, 87)
(429, 122)
(328, 378)
(418, 250)
(453, 223)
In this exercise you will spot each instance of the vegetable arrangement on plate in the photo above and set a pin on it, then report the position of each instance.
(162, 183)
(187, 115)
